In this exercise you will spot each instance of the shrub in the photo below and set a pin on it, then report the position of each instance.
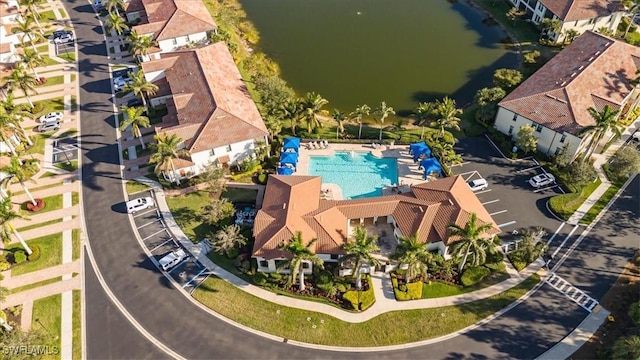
(35, 255)
(262, 178)
(232, 253)
(3, 315)
(259, 278)
(37, 107)
(495, 266)
(410, 291)
(473, 275)
(366, 297)
(634, 312)
(341, 287)
(19, 257)
(4, 265)
(275, 276)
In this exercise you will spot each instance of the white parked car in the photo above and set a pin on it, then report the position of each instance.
(48, 126)
(172, 259)
(64, 38)
(120, 82)
(51, 117)
(138, 204)
(636, 136)
(542, 180)
(478, 184)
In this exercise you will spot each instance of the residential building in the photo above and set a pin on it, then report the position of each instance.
(592, 72)
(8, 53)
(9, 11)
(173, 24)
(293, 203)
(579, 15)
(208, 106)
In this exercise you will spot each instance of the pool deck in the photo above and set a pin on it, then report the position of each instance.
(408, 173)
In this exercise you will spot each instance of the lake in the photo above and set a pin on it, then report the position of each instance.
(354, 52)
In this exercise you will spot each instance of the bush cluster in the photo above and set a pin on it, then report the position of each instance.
(366, 297)
(410, 291)
(19, 257)
(474, 275)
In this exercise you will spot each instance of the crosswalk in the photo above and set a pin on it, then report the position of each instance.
(576, 295)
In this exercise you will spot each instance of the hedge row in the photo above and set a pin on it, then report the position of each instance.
(366, 298)
(410, 291)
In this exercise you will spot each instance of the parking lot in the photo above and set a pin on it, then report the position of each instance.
(159, 241)
(512, 202)
(64, 150)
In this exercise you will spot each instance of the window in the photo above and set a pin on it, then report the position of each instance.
(186, 39)
(510, 130)
(536, 19)
(263, 263)
(212, 152)
(592, 21)
(306, 265)
(515, 117)
(228, 148)
(558, 151)
(174, 41)
(539, 6)
(563, 138)
(335, 257)
(537, 126)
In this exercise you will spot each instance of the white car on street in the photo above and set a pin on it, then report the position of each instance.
(138, 204)
(542, 180)
(478, 184)
(172, 259)
(51, 117)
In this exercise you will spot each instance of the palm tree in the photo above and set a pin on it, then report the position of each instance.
(227, 238)
(606, 120)
(551, 26)
(414, 255)
(140, 45)
(140, 86)
(291, 109)
(472, 241)
(166, 150)
(25, 82)
(360, 251)
(32, 60)
(311, 106)
(339, 117)
(446, 115)
(26, 28)
(383, 111)
(21, 172)
(111, 5)
(116, 23)
(32, 11)
(632, 8)
(424, 113)
(361, 111)
(7, 215)
(14, 113)
(134, 117)
(300, 253)
(571, 34)
(626, 347)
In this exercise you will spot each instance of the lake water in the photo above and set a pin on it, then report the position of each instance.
(365, 51)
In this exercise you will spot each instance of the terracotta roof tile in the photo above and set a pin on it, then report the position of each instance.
(133, 6)
(572, 10)
(592, 71)
(168, 19)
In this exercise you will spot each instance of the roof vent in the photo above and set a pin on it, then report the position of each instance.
(591, 59)
(597, 53)
(607, 44)
(581, 67)
(563, 84)
(284, 206)
(574, 74)
(421, 209)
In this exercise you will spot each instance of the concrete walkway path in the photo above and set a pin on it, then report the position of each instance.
(12, 282)
(43, 291)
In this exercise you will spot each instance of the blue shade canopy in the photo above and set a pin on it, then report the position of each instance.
(285, 171)
(289, 158)
(423, 150)
(430, 165)
(417, 145)
(291, 143)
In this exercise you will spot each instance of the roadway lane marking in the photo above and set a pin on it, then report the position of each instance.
(506, 224)
(490, 202)
(556, 233)
(149, 223)
(498, 212)
(154, 234)
(564, 241)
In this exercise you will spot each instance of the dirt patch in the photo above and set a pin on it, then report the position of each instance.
(622, 294)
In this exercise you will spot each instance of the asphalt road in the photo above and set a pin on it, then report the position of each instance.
(524, 332)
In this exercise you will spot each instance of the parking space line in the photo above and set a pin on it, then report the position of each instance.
(491, 202)
(178, 264)
(155, 248)
(461, 164)
(149, 223)
(154, 234)
(483, 191)
(498, 212)
(547, 188)
(506, 224)
(527, 169)
(195, 277)
(555, 233)
(468, 172)
(143, 213)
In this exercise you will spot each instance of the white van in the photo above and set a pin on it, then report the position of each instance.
(172, 259)
(138, 204)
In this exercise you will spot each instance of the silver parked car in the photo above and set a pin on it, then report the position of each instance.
(478, 184)
(542, 180)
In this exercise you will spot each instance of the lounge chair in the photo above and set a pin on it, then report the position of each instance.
(326, 144)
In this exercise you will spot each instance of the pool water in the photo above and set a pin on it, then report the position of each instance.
(359, 174)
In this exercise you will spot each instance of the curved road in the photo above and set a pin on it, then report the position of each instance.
(525, 332)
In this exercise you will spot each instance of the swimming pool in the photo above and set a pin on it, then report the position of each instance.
(359, 174)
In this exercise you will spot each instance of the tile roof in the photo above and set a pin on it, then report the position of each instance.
(572, 10)
(168, 19)
(593, 71)
(210, 105)
(5, 48)
(292, 203)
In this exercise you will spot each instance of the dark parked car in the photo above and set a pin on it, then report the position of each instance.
(134, 102)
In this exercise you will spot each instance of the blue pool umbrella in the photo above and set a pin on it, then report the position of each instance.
(291, 143)
(289, 158)
(424, 150)
(417, 145)
(285, 171)
(430, 165)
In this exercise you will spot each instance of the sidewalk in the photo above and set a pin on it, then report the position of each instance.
(599, 160)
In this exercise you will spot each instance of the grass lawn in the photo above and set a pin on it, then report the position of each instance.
(51, 81)
(75, 198)
(186, 210)
(50, 254)
(390, 328)
(566, 204)
(43, 48)
(75, 238)
(239, 195)
(49, 61)
(49, 105)
(53, 202)
(69, 56)
(35, 285)
(73, 77)
(47, 16)
(62, 13)
(440, 289)
(77, 325)
(38, 143)
(47, 316)
(70, 166)
(600, 204)
(134, 187)
(25, 228)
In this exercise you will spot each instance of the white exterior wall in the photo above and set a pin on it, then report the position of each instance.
(239, 151)
(174, 43)
(271, 266)
(153, 76)
(548, 140)
(132, 16)
(610, 22)
(440, 246)
(14, 141)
